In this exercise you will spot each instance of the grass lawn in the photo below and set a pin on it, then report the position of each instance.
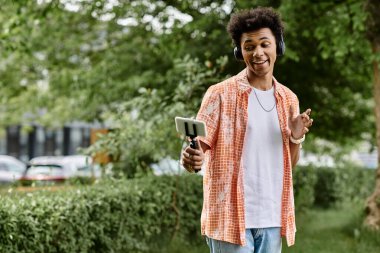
(335, 230)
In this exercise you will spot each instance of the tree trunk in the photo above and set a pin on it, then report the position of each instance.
(373, 32)
(373, 203)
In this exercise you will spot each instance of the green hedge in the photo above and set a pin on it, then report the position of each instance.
(304, 180)
(326, 187)
(143, 214)
(118, 216)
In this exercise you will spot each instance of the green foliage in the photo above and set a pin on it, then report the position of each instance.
(326, 40)
(144, 130)
(145, 214)
(114, 216)
(343, 184)
(326, 190)
(337, 230)
(304, 180)
(328, 187)
(134, 65)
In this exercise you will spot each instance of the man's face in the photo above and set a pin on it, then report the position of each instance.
(259, 51)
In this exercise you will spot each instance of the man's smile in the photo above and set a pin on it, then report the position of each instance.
(259, 62)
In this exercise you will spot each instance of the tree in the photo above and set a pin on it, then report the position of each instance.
(106, 60)
(328, 66)
(373, 33)
(87, 63)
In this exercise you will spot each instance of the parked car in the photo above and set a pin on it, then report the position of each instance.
(11, 169)
(83, 166)
(46, 170)
(56, 169)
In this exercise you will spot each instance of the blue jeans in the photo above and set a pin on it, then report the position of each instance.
(259, 240)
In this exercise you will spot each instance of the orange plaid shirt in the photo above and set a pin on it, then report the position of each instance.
(224, 110)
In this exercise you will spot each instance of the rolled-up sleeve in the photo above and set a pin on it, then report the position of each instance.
(210, 114)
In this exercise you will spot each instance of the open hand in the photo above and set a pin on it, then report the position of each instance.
(300, 124)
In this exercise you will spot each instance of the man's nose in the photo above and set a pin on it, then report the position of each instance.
(258, 51)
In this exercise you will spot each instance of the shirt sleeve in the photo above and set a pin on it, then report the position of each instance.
(209, 112)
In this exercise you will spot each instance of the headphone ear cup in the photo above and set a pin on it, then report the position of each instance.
(238, 55)
(281, 47)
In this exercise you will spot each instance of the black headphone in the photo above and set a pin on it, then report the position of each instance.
(280, 49)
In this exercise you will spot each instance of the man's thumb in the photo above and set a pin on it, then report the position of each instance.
(198, 144)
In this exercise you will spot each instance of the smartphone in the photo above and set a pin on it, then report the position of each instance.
(194, 127)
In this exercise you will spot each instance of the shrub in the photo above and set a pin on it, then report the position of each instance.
(118, 216)
(355, 184)
(304, 180)
(326, 187)
(143, 214)
(335, 186)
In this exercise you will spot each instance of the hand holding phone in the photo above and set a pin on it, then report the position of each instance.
(192, 158)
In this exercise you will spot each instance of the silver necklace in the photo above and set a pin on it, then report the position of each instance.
(258, 97)
(261, 104)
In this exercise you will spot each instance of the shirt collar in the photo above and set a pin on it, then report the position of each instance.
(244, 86)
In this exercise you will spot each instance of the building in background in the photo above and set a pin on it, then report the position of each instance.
(41, 141)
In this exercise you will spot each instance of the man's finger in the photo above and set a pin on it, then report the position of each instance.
(197, 158)
(192, 159)
(185, 154)
(197, 163)
(307, 123)
(192, 151)
(305, 117)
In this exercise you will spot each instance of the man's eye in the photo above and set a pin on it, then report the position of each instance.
(265, 45)
(248, 48)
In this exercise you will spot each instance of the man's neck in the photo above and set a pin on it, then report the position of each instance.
(262, 82)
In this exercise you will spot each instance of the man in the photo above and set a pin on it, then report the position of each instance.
(255, 132)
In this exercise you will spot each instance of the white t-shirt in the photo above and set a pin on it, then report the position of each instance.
(263, 162)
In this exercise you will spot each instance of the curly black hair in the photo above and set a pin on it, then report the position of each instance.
(254, 19)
